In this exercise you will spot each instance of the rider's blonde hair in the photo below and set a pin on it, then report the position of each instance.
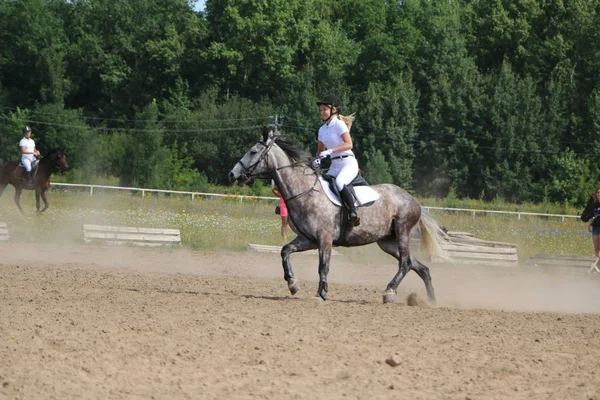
(347, 120)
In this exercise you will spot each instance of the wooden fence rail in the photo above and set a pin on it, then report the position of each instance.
(130, 235)
(4, 231)
(555, 260)
(193, 195)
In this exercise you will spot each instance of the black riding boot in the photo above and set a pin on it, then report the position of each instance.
(26, 176)
(347, 195)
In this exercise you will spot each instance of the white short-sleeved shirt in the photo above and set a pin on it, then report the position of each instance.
(331, 136)
(29, 145)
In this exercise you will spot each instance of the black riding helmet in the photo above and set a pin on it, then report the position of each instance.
(331, 101)
(26, 129)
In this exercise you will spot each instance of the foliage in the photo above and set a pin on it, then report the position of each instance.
(485, 100)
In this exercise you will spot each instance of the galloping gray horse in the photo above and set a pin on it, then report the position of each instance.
(390, 221)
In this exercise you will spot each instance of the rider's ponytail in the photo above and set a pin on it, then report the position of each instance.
(347, 120)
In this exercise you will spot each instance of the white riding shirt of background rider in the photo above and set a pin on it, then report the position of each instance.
(344, 166)
(28, 157)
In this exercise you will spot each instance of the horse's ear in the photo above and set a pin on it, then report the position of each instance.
(267, 134)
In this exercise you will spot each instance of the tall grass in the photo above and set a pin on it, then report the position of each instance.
(231, 223)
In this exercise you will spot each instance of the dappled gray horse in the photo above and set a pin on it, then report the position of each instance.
(390, 221)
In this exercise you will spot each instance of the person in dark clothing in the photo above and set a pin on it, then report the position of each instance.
(592, 212)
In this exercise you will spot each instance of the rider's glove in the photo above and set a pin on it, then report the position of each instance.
(316, 163)
(325, 153)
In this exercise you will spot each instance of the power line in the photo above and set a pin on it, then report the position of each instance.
(137, 120)
(99, 128)
(238, 128)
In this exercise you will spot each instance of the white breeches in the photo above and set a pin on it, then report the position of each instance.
(344, 170)
(26, 160)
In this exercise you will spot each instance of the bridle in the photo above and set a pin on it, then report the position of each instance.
(56, 159)
(250, 169)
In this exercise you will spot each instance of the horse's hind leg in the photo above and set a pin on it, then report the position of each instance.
(298, 244)
(390, 246)
(399, 252)
(423, 271)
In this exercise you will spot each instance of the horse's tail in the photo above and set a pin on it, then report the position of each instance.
(432, 237)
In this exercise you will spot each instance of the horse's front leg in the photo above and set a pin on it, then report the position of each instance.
(300, 243)
(44, 196)
(324, 258)
(37, 199)
(18, 191)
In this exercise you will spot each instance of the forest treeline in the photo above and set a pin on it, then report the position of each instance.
(477, 99)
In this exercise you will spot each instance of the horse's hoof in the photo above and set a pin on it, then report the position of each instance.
(293, 286)
(388, 296)
(322, 294)
(317, 299)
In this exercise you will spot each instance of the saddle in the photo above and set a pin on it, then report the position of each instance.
(357, 181)
(20, 170)
(363, 194)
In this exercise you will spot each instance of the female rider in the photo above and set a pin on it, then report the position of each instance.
(335, 141)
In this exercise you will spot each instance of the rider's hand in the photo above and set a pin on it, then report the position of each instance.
(316, 163)
(325, 153)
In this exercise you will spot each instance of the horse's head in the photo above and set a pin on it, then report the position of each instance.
(58, 159)
(255, 163)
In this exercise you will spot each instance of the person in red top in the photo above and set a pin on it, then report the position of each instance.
(283, 212)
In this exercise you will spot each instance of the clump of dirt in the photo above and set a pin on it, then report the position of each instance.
(414, 300)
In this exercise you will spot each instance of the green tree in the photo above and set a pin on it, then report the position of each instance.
(377, 169)
(32, 55)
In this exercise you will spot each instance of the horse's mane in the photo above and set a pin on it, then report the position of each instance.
(294, 153)
(51, 156)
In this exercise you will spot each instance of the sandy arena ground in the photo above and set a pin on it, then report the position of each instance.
(93, 322)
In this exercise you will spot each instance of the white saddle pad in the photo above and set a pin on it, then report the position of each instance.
(365, 194)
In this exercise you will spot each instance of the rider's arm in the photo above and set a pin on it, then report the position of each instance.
(320, 147)
(347, 145)
(24, 151)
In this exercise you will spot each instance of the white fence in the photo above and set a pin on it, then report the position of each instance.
(241, 198)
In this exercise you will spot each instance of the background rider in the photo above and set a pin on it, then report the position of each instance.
(28, 152)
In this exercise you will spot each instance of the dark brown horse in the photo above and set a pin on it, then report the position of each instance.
(12, 172)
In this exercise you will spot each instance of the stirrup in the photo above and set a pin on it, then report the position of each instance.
(354, 221)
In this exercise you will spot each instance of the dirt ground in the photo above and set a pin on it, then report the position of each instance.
(93, 322)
